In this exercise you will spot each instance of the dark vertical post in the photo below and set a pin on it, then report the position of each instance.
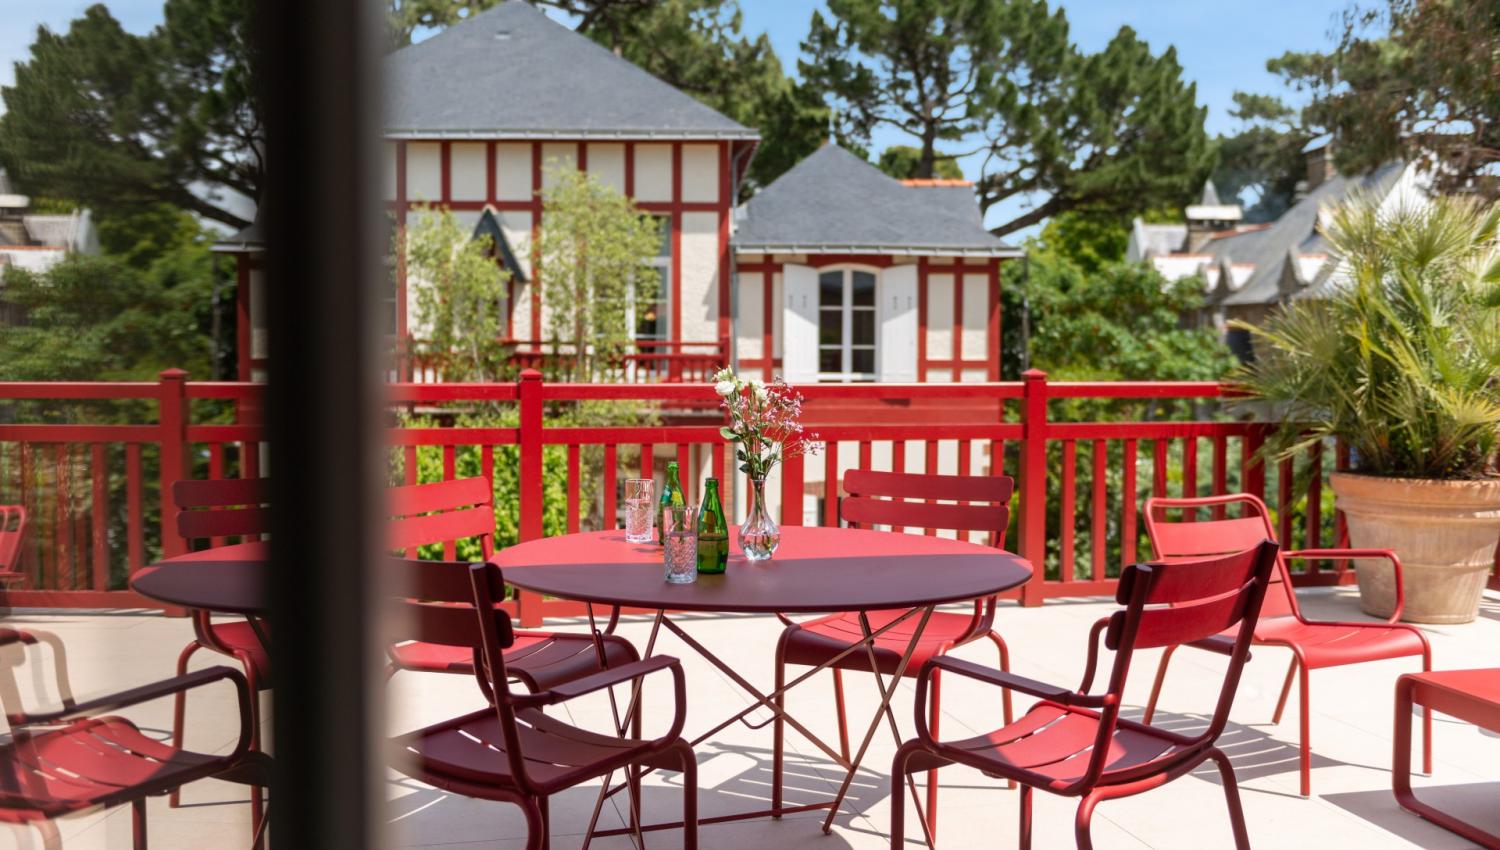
(1033, 520)
(323, 269)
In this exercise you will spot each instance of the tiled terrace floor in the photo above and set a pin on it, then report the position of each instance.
(1351, 807)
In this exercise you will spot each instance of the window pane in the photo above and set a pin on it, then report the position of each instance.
(864, 289)
(831, 289)
(830, 360)
(830, 327)
(863, 322)
(864, 360)
(664, 225)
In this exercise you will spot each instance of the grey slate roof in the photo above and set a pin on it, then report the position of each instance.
(833, 201)
(1294, 232)
(513, 72)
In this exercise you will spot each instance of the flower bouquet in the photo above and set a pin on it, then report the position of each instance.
(765, 420)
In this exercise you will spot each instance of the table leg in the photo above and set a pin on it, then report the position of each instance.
(605, 791)
(885, 705)
(1401, 775)
(911, 782)
(763, 700)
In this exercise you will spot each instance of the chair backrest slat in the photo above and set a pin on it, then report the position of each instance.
(425, 514)
(886, 498)
(228, 507)
(1174, 539)
(12, 532)
(438, 599)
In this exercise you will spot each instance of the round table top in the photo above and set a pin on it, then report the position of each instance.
(228, 579)
(815, 571)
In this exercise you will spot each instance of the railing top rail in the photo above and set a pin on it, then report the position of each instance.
(1139, 389)
(74, 390)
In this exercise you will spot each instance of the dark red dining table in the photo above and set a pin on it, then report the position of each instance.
(815, 571)
(224, 580)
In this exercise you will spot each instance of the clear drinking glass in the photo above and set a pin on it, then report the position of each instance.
(640, 510)
(680, 542)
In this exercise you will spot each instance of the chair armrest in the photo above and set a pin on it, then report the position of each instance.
(144, 693)
(999, 678)
(1303, 554)
(609, 677)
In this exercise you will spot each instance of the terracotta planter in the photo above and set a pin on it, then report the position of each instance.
(1444, 532)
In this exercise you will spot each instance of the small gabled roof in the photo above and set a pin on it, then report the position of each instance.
(511, 72)
(835, 202)
(1295, 233)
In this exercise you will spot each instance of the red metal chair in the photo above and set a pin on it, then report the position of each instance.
(12, 534)
(1314, 644)
(886, 498)
(1076, 744)
(512, 751)
(426, 514)
(79, 757)
(216, 510)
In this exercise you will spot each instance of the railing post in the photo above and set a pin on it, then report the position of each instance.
(1033, 513)
(792, 486)
(529, 395)
(172, 418)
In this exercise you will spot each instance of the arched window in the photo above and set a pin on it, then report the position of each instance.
(846, 325)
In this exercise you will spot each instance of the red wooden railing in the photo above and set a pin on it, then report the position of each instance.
(645, 362)
(85, 544)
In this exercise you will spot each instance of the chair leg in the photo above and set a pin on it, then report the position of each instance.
(1426, 718)
(179, 713)
(138, 823)
(778, 735)
(252, 681)
(898, 793)
(1232, 799)
(1004, 668)
(1286, 689)
(51, 838)
(1161, 677)
(689, 797)
(934, 715)
(1081, 821)
(536, 828)
(1306, 755)
(1025, 839)
(843, 716)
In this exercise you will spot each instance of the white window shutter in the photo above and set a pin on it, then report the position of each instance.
(799, 349)
(897, 345)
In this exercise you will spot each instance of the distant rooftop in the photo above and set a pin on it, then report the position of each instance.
(513, 73)
(833, 201)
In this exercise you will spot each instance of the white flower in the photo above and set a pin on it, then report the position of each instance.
(724, 388)
(760, 391)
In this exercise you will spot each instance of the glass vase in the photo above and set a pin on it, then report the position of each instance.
(759, 534)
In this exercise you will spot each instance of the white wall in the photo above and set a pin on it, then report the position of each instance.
(468, 171)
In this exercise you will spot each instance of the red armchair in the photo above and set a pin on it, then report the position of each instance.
(426, 514)
(81, 756)
(511, 751)
(1074, 743)
(897, 500)
(1314, 644)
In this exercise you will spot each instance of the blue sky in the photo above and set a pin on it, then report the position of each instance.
(1222, 46)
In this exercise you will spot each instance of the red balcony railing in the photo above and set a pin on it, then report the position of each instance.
(94, 489)
(645, 362)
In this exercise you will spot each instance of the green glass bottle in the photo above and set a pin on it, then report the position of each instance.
(671, 494)
(713, 531)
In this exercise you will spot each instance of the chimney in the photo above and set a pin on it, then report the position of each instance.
(1319, 156)
(1208, 217)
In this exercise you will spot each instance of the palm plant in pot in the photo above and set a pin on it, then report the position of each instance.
(1401, 361)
